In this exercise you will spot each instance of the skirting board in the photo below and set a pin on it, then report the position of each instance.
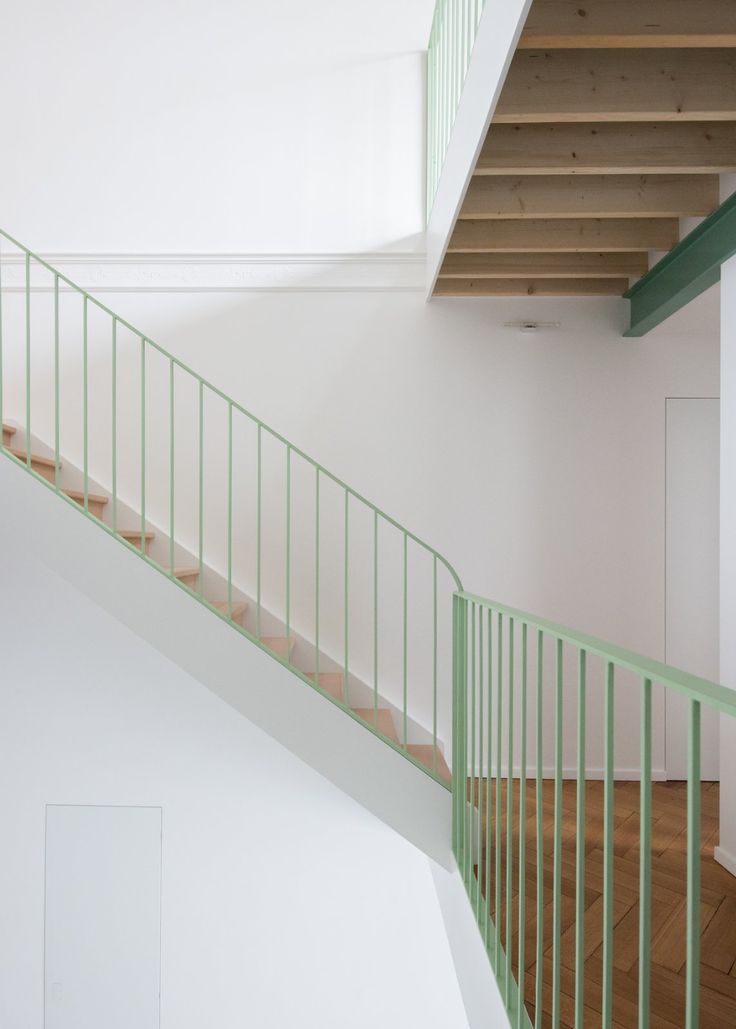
(402, 271)
(592, 774)
(728, 861)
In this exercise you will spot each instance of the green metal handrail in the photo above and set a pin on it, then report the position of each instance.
(454, 28)
(493, 652)
(203, 389)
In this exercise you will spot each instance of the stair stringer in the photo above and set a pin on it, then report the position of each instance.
(171, 620)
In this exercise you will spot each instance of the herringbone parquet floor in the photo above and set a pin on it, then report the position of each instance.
(668, 936)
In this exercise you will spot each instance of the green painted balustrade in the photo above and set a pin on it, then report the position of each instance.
(508, 664)
(397, 583)
(505, 665)
(454, 28)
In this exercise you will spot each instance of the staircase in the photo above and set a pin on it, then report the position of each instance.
(237, 548)
(97, 503)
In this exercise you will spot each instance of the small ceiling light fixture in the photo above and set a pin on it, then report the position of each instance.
(530, 325)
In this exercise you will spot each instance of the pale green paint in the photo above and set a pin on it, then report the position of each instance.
(178, 369)
(469, 710)
(690, 268)
(451, 39)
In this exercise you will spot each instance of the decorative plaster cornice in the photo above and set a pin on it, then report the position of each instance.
(223, 273)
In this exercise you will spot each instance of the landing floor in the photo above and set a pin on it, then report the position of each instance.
(668, 938)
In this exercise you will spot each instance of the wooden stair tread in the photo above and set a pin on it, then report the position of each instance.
(134, 534)
(47, 462)
(279, 644)
(9, 430)
(186, 573)
(423, 752)
(238, 607)
(382, 719)
(330, 682)
(78, 495)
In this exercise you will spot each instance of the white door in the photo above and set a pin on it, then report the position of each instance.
(103, 917)
(691, 594)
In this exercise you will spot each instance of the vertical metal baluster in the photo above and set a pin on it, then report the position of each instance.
(608, 809)
(645, 855)
(462, 789)
(172, 455)
(479, 771)
(463, 785)
(259, 505)
(580, 847)
(2, 438)
(499, 807)
(375, 617)
(443, 97)
(557, 868)
(85, 409)
(456, 600)
(406, 644)
(489, 779)
(430, 120)
(473, 722)
(201, 488)
(522, 830)
(692, 971)
(510, 817)
(316, 574)
(346, 688)
(143, 440)
(539, 833)
(57, 460)
(230, 511)
(114, 416)
(434, 664)
(458, 717)
(28, 360)
(288, 548)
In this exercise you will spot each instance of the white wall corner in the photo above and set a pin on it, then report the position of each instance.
(499, 30)
(726, 859)
(481, 995)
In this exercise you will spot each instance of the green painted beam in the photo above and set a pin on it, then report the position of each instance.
(685, 272)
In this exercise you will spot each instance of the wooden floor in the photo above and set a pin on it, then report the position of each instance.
(668, 939)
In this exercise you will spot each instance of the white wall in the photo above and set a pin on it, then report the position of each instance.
(233, 126)
(535, 463)
(284, 902)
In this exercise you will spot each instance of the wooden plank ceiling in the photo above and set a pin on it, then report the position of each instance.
(615, 120)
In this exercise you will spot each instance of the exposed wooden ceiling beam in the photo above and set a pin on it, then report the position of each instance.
(544, 266)
(663, 148)
(572, 235)
(619, 85)
(531, 287)
(591, 196)
(630, 23)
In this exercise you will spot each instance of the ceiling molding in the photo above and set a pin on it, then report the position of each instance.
(401, 271)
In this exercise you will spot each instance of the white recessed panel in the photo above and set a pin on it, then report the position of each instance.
(103, 917)
(692, 570)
